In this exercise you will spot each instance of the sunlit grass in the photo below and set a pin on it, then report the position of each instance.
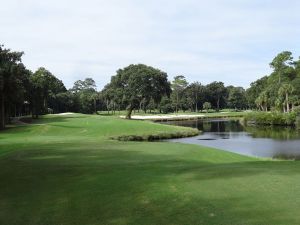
(67, 170)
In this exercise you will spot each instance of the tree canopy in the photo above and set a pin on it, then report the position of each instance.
(137, 83)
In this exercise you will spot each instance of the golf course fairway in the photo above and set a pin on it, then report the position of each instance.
(66, 170)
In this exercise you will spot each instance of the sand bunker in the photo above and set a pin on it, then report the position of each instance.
(165, 117)
(66, 113)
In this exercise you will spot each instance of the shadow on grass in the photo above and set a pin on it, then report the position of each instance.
(57, 119)
(106, 114)
(110, 184)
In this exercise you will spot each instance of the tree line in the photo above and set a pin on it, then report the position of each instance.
(139, 87)
(280, 90)
(23, 92)
(145, 88)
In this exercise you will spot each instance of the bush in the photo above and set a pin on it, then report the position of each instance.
(297, 123)
(158, 136)
(271, 118)
(296, 109)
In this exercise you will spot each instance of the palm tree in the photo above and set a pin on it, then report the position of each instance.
(284, 91)
(259, 102)
(294, 100)
(262, 101)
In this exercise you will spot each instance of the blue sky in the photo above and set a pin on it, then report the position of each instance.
(231, 40)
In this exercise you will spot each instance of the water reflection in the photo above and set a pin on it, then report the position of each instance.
(231, 135)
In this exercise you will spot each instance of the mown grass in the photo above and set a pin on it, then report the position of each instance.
(65, 170)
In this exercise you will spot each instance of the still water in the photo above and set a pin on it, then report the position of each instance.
(230, 135)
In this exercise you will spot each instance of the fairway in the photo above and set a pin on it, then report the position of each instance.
(66, 170)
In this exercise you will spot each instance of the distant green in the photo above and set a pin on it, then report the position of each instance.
(65, 170)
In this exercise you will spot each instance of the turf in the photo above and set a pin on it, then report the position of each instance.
(65, 170)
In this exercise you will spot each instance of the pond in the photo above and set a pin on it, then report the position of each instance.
(231, 135)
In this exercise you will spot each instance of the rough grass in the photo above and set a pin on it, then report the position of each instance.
(65, 170)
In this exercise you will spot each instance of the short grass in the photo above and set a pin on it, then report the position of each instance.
(65, 170)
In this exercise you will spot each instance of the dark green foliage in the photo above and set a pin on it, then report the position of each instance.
(137, 84)
(165, 105)
(85, 96)
(280, 90)
(271, 118)
(46, 93)
(12, 76)
(23, 92)
(217, 94)
(237, 98)
(195, 93)
(178, 96)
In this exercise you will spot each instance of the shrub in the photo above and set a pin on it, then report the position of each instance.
(271, 118)
(297, 123)
(158, 136)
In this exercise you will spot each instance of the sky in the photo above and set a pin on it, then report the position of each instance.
(232, 41)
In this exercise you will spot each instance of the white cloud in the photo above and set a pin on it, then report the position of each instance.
(232, 41)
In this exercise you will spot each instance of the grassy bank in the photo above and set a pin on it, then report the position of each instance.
(66, 170)
(271, 118)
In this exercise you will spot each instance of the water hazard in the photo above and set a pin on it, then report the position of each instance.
(230, 135)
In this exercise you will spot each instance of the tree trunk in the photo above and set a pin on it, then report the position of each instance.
(45, 106)
(196, 108)
(287, 102)
(129, 111)
(2, 112)
(140, 108)
(176, 102)
(107, 106)
(218, 105)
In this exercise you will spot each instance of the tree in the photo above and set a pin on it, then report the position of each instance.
(217, 94)
(281, 63)
(140, 82)
(44, 89)
(165, 105)
(85, 94)
(262, 101)
(151, 105)
(237, 98)
(195, 93)
(255, 89)
(206, 106)
(11, 71)
(285, 90)
(178, 86)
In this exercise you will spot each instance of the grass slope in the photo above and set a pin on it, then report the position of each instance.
(64, 170)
